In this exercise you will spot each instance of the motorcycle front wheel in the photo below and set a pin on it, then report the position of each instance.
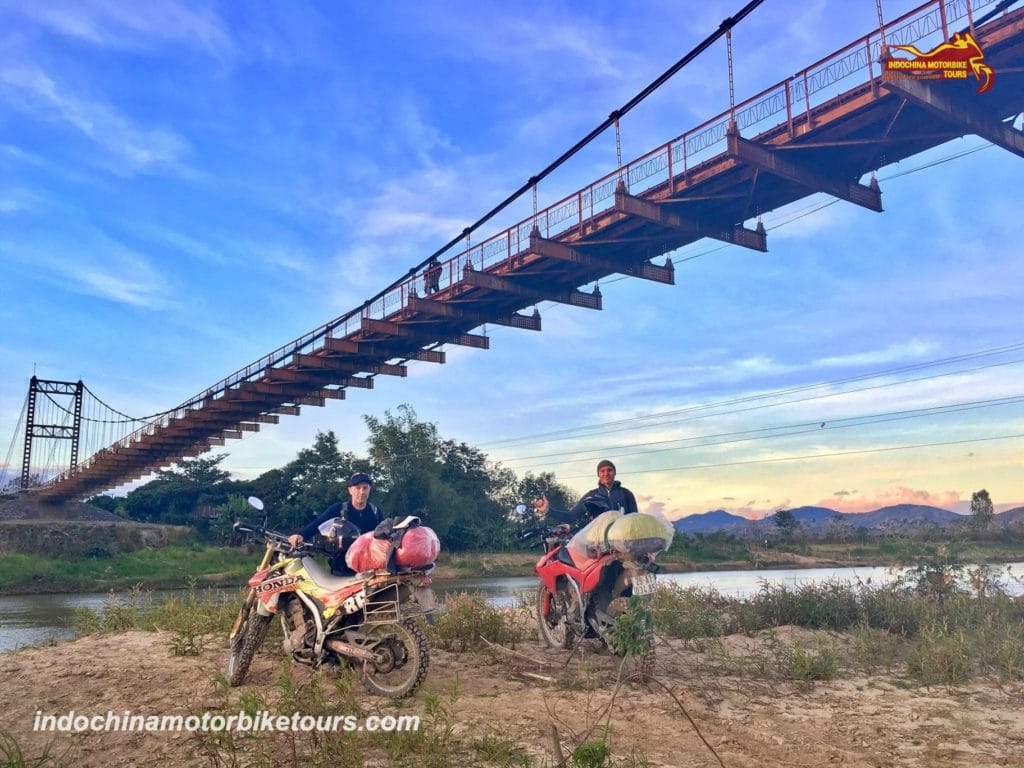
(252, 628)
(403, 659)
(555, 629)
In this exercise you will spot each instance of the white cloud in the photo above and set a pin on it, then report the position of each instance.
(131, 26)
(902, 352)
(133, 147)
(100, 267)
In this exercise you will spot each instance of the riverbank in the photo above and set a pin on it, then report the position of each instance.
(177, 566)
(840, 676)
(515, 708)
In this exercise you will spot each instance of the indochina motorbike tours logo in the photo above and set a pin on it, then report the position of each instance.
(946, 61)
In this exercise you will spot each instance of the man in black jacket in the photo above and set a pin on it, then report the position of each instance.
(609, 494)
(357, 510)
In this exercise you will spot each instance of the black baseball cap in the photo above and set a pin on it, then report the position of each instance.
(359, 478)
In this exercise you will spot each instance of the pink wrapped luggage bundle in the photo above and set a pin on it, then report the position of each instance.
(420, 547)
(367, 553)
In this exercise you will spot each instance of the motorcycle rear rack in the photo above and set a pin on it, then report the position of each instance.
(383, 606)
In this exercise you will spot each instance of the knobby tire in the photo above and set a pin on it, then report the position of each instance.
(245, 644)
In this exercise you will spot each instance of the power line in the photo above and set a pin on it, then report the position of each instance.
(811, 427)
(661, 416)
(809, 456)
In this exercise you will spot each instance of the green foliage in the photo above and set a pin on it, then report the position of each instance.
(532, 487)
(164, 568)
(316, 478)
(11, 755)
(806, 665)
(633, 631)
(939, 658)
(432, 745)
(189, 618)
(451, 485)
(591, 754)
(312, 695)
(108, 503)
(936, 640)
(786, 522)
(707, 548)
(498, 749)
(177, 496)
(467, 618)
(688, 613)
(982, 512)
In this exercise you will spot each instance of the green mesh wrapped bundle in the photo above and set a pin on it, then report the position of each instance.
(591, 541)
(640, 534)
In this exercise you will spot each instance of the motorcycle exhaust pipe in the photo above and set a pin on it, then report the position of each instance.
(352, 651)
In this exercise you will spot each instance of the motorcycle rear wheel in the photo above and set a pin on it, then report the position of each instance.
(555, 629)
(251, 632)
(405, 657)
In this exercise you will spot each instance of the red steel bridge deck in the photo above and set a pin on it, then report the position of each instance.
(821, 130)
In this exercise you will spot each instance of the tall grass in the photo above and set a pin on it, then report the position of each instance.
(932, 637)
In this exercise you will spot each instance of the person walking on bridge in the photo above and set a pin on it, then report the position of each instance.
(432, 276)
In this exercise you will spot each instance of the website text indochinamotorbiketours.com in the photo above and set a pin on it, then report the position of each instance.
(260, 721)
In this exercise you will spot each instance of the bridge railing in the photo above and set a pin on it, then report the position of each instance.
(787, 103)
(782, 106)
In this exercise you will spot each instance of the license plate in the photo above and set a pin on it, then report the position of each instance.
(644, 584)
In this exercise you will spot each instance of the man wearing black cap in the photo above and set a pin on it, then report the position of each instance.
(609, 494)
(357, 510)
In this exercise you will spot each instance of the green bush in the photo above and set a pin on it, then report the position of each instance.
(467, 618)
(687, 612)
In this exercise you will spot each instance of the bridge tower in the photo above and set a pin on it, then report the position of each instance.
(33, 430)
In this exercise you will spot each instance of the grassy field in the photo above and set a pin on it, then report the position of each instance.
(164, 568)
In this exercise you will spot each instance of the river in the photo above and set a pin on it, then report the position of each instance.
(32, 619)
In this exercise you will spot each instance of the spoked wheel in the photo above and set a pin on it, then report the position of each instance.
(553, 617)
(403, 659)
(251, 629)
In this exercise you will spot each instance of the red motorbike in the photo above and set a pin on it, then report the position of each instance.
(581, 596)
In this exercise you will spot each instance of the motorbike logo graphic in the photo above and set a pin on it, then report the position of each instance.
(947, 61)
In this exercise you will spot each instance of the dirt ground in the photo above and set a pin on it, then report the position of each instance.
(849, 722)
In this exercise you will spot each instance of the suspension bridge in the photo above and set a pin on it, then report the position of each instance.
(824, 129)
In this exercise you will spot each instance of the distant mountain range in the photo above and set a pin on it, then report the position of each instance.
(818, 518)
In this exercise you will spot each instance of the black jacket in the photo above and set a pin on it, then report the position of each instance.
(365, 519)
(595, 502)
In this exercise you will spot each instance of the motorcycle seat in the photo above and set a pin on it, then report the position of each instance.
(323, 578)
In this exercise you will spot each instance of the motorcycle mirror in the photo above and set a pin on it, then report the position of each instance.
(256, 503)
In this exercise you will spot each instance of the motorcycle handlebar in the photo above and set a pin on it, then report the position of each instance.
(269, 535)
(545, 530)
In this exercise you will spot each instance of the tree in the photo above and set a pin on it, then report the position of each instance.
(532, 487)
(108, 503)
(451, 485)
(982, 512)
(175, 495)
(317, 478)
(786, 522)
(200, 471)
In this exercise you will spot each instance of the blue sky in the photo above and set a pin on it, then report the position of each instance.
(186, 186)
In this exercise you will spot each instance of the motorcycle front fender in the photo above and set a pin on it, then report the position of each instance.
(267, 607)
